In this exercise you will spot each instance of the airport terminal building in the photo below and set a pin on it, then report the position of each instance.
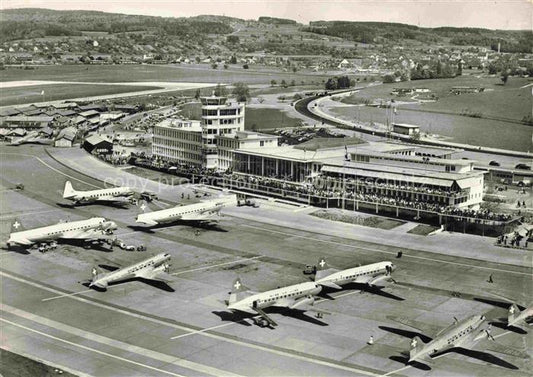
(211, 142)
(390, 173)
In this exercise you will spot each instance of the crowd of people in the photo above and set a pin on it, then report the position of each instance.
(290, 189)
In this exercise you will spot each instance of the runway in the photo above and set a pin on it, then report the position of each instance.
(137, 329)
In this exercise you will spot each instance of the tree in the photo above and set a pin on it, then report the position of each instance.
(241, 91)
(233, 60)
(221, 91)
(387, 79)
(283, 83)
(197, 94)
(233, 39)
(331, 84)
(225, 66)
(273, 82)
(245, 66)
(459, 69)
(214, 65)
(293, 83)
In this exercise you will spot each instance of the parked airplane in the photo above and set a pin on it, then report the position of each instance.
(208, 211)
(519, 318)
(154, 269)
(291, 297)
(33, 137)
(461, 334)
(370, 274)
(116, 194)
(95, 228)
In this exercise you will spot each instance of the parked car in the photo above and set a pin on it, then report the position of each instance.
(523, 167)
(309, 269)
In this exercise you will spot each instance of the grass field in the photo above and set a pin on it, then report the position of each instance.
(14, 365)
(29, 94)
(357, 218)
(504, 101)
(258, 119)
(172, 73)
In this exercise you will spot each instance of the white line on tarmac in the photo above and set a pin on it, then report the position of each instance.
(22, 214)
(502, 334)
(117, 344)
(51, 167)
(67, 295)
(89, 348)
(388, 252)
(397, 370)
(241, 343)
(217, 265)
(204, 330)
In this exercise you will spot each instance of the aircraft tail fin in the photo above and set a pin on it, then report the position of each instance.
(69, 191)
(238, 291)
(96, 272)
(513, 312)
(16, 226)
(143, 207)
(321, 267)
(416, 346)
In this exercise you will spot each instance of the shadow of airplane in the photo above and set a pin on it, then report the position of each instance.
(406, 333)
(502, 324)
(86, 245)
(234, 317)
(365, 288)
(120, 205)
(483, 356)
(405, 360)
(293, 313)
(191, 224)
(500, 304)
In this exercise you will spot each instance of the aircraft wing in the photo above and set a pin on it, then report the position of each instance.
(428, 330)
(379, 279)
(155, 275)
(23, 242)
(330, 284)
(90, 235)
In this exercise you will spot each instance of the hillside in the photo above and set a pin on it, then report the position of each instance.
(393, 33)
(35, 23)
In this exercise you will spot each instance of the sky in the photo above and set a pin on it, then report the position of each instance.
(495, 14)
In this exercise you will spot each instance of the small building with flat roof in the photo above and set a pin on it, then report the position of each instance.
(405, 129)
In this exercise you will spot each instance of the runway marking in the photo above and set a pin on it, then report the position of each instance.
(217, 265)
(204, 330)
(502, 334)
(67, 295)
(51, 167)
(22, 214)
(155, 355)
(397, 370)
(386, 252)
(88, 348)
(242, 343)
